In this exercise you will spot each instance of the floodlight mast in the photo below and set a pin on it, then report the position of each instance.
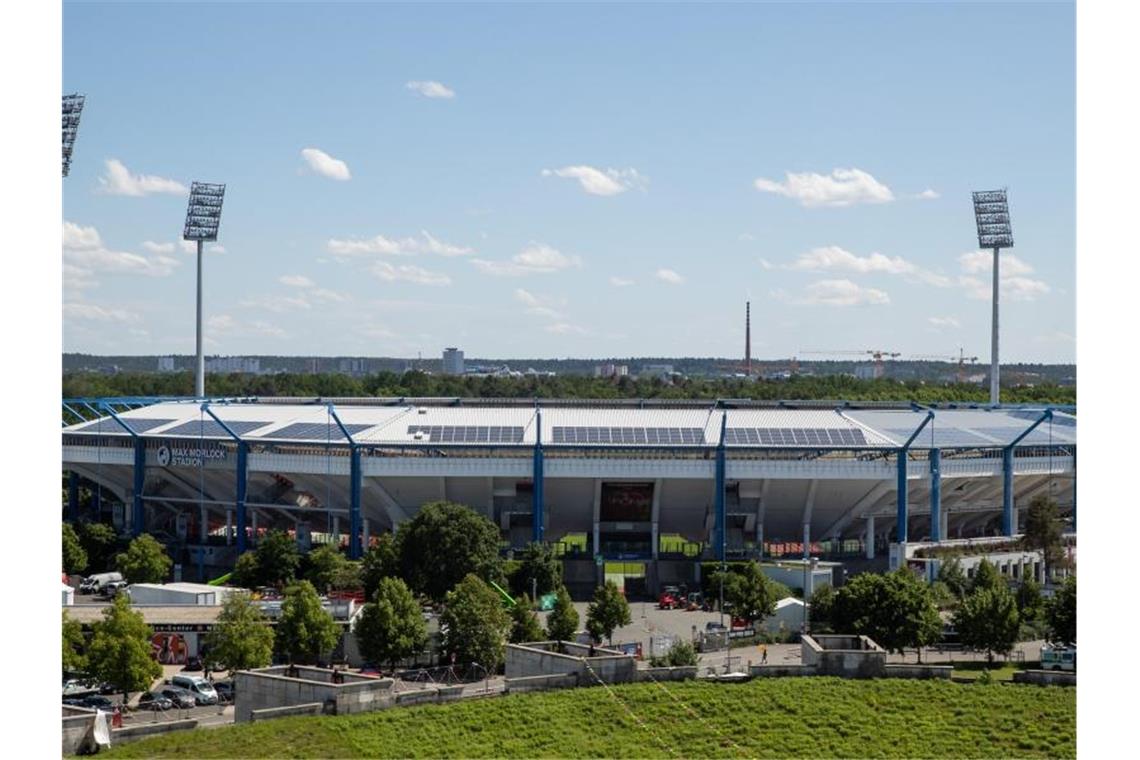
(203, 216)
(991, 212)
(72, 110)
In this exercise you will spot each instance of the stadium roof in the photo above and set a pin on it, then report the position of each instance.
(589, 424)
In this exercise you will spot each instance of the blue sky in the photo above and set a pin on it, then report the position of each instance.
(571, 180)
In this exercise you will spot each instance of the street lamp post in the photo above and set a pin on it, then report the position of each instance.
(203, 216)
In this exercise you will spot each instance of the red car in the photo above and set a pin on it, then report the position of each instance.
(670, 598)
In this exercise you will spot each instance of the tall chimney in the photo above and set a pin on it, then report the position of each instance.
(748, 338)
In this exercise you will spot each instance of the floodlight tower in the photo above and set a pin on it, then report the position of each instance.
(991, 212)
(72, 109)
(203, 215)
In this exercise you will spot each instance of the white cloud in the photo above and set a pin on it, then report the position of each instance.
(431, 89)
(978, 262)
(944, 321)
(408, 246)
(407, 273)
(600, 181)
(221, 323)
(621, 282)
(190, 247)
(837, 293)
(746, 237)
(94, 313)
(669, 276)
(225, 324)
(119, 181)
(564, 328)
(535, 258)
(843, 187)
(154, 247)
(1014, 286)
(325, 165)
(296, 281)
(276, 304)
(84, 256)
(928, 194)
(324, 294)
(765, 264)
(833, 257)
(1055, 337)
(539, 306)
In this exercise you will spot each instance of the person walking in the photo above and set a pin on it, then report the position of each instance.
(763, 654)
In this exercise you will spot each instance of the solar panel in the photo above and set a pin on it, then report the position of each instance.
(317, 431)
(468, 433)
(794, 437)
(211, 429)
(674, 436)
(138, 425)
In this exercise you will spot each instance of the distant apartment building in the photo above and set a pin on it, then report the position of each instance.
(166, 364)
(230, 364)
(354, 367)
(452, 361)
(663, 371)
(869, 371)
(611, 370)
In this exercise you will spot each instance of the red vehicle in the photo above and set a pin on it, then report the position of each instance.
(670, 599)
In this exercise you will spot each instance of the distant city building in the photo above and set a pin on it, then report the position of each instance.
(611, 370)
(354, 367)
(166, 364)
(869, 371)
(231, 364)
(663, 371)
(452, 361)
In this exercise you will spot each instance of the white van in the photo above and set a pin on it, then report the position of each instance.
(202, 689)
(94, 584)
(1060, 658)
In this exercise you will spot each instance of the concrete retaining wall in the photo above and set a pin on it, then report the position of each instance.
(1046, 677)
(78, 729)
(844, 656)
(919, 671)
(541, 683)
(781, 671)
(541, 659)
(269, 688)
(143, 730)
(312, 708)
(678, 673)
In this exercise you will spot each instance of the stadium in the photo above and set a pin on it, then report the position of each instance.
(645, 489)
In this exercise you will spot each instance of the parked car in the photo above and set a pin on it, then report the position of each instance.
(670, 598)
(225, 690)
(98, 702)
(113, 589)
(155, 701)
(179, 697)
(193, 663)
(200, 688)
(75, 701)
(93, 584)
(714, 627)
(77, 687)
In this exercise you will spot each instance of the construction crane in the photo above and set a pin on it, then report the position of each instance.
(960, 359)
(876, 355)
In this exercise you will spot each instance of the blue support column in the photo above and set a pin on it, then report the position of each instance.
(242, 479)
(902, 512)
(356, 479)
(936, 494)
(72, 496)
(1007, 526)
(721, 519)
(538, 515)
(1074, 489)
(139, 482)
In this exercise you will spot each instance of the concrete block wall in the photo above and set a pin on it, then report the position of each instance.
(144, 730)
(541, 683)
(539, 659)
(1046, 677)
(781, 671)
(78, 729)
(919, 671)
(846, 656)
(269, 688)
(679, 673)
(312, 708)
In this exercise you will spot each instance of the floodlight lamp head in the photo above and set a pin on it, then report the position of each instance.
(204, 211)
(991, 212)
(72, 109)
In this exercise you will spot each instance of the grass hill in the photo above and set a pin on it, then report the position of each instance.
(792, 717)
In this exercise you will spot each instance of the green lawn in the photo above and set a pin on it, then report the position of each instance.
(785, 717)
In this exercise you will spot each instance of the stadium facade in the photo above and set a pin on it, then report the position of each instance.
(655, 485)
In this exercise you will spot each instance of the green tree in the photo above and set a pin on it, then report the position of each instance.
(896, 610)
(277, 559)
(391, 626)
(987, 619)
(987, 576)
(752, 594)
(305, 630)
(347, 577)
(100, 543)
(474, 623)
(1030, 603)
(144, 561)
(443, 544)
(682, 653)
(608, 610)
(540, 572)
(1042, 531)
(324, 564)
(246, 573)
(822, 609)
(380, 561)
(241, 638)
(524, 622)
(74, 556)
(562, 622)
(120, 652)
(1061, 613)
(950, 572)
(73, 644)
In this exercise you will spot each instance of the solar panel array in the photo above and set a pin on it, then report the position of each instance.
(630, 435)
(468, 433)
(794, 437)
(317, 431)
(211, 429)
(944, 436)
(110, 426)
